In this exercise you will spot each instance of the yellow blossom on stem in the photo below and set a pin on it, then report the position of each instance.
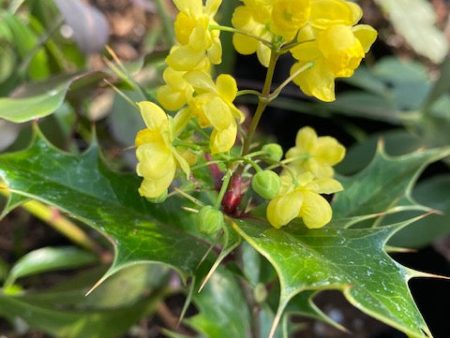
(332, 44)
(253, 18)
(289, 16)
(315, 154)
(213, 106)
(300, 197)
(197, 41)
(157, 156)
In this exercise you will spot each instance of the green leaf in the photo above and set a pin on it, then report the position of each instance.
(40, 99)
(351, 260)
(384, 184)
(222, 307)
(434, 193)
(49, 259)
(84, 187)
(65, 311)
(415, 20)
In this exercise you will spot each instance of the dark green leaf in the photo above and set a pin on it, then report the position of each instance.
(383, 184)
(107, 201)
(433, 193)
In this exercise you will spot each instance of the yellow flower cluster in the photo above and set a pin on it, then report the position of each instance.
(189, 90)
(325, 33)
(308, 174)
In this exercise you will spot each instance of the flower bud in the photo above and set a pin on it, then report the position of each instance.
(266, 184)
(273, 152)
(210, 220)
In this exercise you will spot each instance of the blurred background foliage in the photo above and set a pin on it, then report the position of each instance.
(73, 65)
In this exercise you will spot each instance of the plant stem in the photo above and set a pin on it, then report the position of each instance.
(278, 90)
(237, 31)
(224, 188)
(262, 102)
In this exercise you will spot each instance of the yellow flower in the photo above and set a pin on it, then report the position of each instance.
(315, 154)
(176, 92)
(213, 106)
(158, 158)
(300, 197)
(288, 16)
(196, 41)
(253, 18)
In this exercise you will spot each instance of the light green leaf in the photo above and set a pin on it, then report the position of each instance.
(383, 184)
(89, 191)
(40, 99)
(415, 20)
(351, 260)
(49, 259)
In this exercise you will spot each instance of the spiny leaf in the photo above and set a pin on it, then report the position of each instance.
(84, 187)
(348, 259)
(384, 183)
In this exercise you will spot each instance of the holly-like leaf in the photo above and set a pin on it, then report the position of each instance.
(384, 184)
(89, 191)
(348, 259)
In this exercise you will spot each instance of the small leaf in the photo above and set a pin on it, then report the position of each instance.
(90, 27)
(49, 259)
(40, 99)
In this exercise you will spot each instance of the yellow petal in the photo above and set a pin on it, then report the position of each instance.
(326, 13)
(147, 136)
(184, 25)
(315, 210)
(181, 120)
(329, 151)
(357, 12)
(245, 45)
(154, 117)
(284, 209)
(184, 58)
(263, 52)
(215, 52)
(201, 81)
(328, 186)
(212, 6)
(171, 99)
(193, 7)
(306, 139)
(306, 51)
(218, 113)
(155, 160)
(223, 140)
(153, 188)
(366, 36)
(227, 87)
(318, 81)
(200, 38)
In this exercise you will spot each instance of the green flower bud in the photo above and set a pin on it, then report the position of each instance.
(260, 293)
(210, 219)
(160, 199)
(273, 151)
(266, 184)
